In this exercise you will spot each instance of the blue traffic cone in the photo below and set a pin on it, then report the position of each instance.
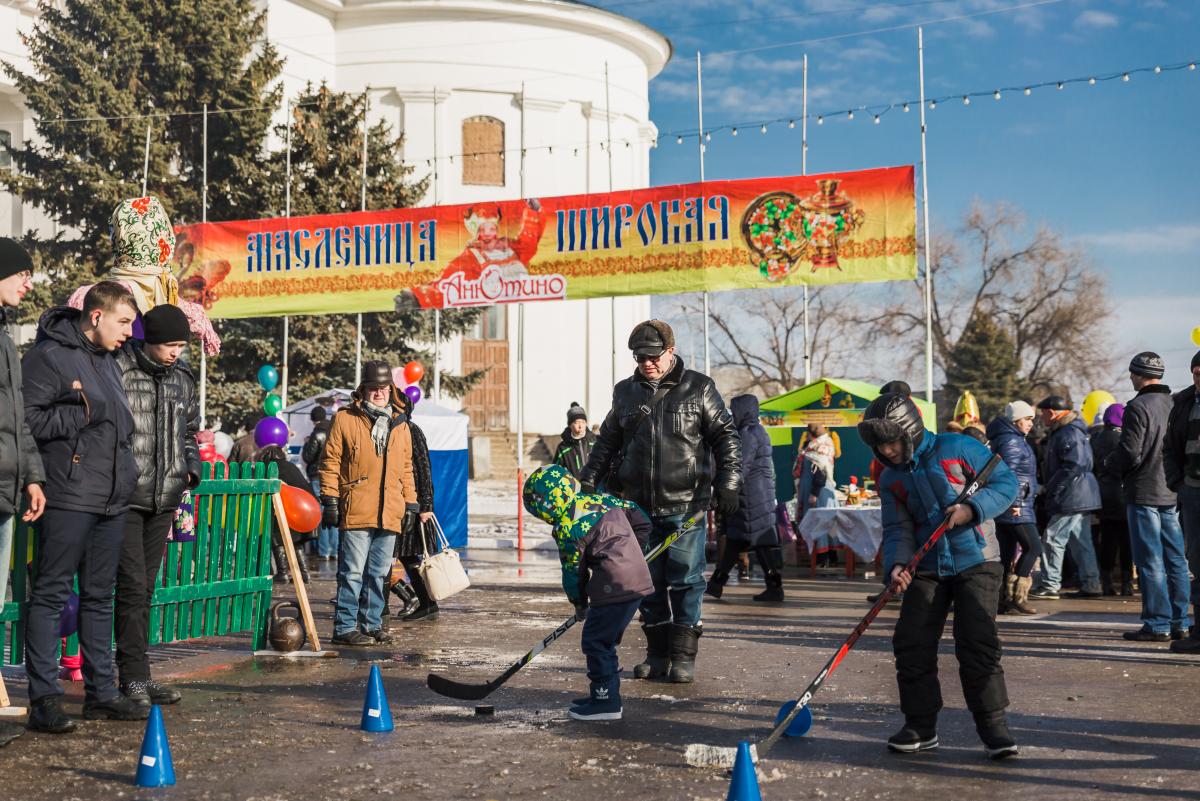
(155, 768)
(376, 714)
(744, 785)
(800, 724)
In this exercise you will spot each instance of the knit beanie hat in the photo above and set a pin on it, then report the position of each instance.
(1017, 410)
(317, 414)
(1148, 364)
(1115, 414)
(165, 323)
(576, 412)
(13, 257)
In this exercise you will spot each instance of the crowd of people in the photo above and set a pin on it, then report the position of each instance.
(99, 434)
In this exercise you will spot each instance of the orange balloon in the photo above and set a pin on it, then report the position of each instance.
(302, 510)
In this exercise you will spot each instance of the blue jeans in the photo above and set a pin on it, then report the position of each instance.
(364, 559)
(327, 536)
(1189, 518)
(7, 524)
(602, 630)
(1162, 567)
(678, 574)
(1074, 532)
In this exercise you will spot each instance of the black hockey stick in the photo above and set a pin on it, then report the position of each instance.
(709, 755)
(474, 692)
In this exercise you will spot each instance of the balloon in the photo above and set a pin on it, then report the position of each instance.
(272, 404)
(413, 393)
(270, 431)
(139, 330)
(223, 443)
(68, 621)
(1092, 403)
(268, 377)
(302, 510)
(413, 372)
(208, 452)
(1196, 335)
(398, 377)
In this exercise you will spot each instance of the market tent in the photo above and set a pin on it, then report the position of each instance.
(446, 432)
(836, 403)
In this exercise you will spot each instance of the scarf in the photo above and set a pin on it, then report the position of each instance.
(143, 243)
(381, 425)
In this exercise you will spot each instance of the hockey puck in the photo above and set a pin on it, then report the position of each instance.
(485, 709)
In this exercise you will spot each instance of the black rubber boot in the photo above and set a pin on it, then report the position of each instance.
(774, 591)
(917, 734)
(302, 563)
(685, 642)
(658, 661)
(716, 584)
(427, 608)
(993, 731)
(281, 566)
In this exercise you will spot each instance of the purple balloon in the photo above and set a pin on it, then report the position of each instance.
(271, 431)
(68, 621)
(139, 331)
(413, 393)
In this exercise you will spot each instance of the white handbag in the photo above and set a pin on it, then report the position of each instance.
(442, 572)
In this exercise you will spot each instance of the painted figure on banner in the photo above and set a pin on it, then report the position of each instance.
(198, 281)
(491, 266)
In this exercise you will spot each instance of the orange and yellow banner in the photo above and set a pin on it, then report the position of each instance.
(758, 233)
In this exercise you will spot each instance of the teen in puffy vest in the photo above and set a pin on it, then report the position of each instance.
(604, 574)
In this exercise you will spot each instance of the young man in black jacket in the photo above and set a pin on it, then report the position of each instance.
(161, 391)
(667, 430)
(312, 455)
(577, 442)
(20, 464)
(76, 408)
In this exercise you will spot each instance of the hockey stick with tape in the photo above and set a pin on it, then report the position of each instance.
(474, 692)
(700, 755)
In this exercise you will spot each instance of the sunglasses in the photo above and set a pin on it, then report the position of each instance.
(642, 358)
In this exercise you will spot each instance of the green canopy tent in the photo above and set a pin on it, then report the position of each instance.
(838, 404)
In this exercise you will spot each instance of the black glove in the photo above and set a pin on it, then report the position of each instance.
(727, 500)
(586, 487)
(581, 608)
(329, 511)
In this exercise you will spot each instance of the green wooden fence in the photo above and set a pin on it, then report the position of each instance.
(219, 584)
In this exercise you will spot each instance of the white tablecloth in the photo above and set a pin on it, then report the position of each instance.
(859, 528)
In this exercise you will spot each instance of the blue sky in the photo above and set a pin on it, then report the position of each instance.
(1113, 166)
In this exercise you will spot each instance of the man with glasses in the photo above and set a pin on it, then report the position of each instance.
(667, 432)
(20, 463)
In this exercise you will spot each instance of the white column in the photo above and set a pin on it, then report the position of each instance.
(925, 213)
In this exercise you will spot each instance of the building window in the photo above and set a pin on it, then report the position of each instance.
(5, 156)
(490, 325)
(483, 151)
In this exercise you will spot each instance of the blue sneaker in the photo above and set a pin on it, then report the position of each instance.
(604, 703)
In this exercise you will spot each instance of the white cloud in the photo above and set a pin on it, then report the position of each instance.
(1179, 238)
(1093, 18)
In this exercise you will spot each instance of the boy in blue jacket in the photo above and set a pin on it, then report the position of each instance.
(923, 474)
(604, 574)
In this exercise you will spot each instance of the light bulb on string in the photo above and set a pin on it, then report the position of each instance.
(996, 94)
(820, 120)
(708, 137)
(1125, 77)
(905, 108)
(932, 104)
(1192, 66)
(763, 129)
(734, 132)
(791, 123)
(876, 119)
(966, 100)
(849, 115)
(1157, 70)
(1060, 85)
(1091, 81)
(1028, 91)
(679, 140)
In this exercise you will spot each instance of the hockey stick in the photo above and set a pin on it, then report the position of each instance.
(473, 692)
(699, 755)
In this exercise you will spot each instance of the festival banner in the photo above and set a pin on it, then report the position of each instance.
(718, 235)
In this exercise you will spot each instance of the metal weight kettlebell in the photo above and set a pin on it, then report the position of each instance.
(286, 632)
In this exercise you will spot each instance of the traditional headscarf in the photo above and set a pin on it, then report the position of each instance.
(143, 243)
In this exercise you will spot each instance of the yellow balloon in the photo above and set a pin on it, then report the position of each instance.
(1196, 335)
(1092, 403)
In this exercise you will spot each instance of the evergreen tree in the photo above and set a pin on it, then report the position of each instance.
(100, 73)
(985, 361)
(326, 159)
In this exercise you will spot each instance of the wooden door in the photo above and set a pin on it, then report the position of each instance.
(486, 348)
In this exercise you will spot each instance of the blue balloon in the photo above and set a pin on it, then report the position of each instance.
(268, 377)
(800, 724)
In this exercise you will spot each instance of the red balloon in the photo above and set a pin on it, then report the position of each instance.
(208, 452)
(302, 510)
(413, 372)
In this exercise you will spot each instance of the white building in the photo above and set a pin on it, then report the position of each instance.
(459, 76)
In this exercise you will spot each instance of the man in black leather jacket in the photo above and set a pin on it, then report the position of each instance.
(166, 416)
(667, 426)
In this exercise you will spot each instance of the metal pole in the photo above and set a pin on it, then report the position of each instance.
(700, 141)
(804, 171)
(204, 219)
(521, 362)
(437, 313)
(362, 202)
(287, 212)
(146, 162)
(925, 213)
(612, 302)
